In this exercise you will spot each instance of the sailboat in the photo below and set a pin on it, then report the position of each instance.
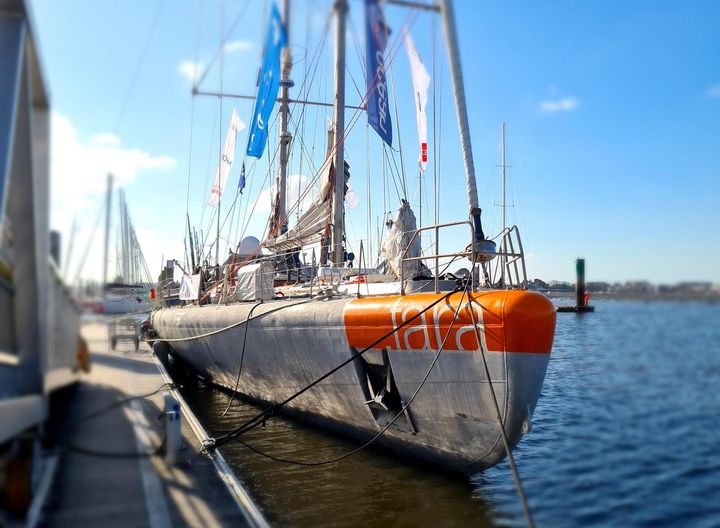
(443, 369)
(130, 290)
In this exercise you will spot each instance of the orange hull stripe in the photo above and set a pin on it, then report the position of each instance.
(512, 321)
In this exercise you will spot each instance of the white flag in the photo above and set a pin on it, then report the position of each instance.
(226, 161)
(421, 82)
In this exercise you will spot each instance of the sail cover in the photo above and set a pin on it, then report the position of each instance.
(226, 160)
(376, 33)
(269, 83)
(395, 243)
(421, 82)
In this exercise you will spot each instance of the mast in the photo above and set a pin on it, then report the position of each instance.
(108, 207)
(341, 9)
(448, 17)
(502, 241)
(285, 136)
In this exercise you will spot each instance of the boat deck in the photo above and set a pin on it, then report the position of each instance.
(124, 489)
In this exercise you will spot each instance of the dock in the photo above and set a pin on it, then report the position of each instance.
(109, 471)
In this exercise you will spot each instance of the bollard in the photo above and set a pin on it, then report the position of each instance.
(173, 433)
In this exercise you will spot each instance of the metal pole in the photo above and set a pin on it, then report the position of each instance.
(448, 18)
(108, 208)
(340, 8)
(502, 241)
(285, 136)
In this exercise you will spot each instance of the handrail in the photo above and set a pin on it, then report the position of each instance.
(404, 258)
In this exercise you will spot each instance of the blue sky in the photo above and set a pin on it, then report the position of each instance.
(612, 108)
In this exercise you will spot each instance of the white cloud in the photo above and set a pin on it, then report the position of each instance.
(191, 70)
(714, 91)
(106, 138)
(238, 45)
(564, 104)
(78, 172)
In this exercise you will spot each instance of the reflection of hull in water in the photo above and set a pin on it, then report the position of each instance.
(451, 422)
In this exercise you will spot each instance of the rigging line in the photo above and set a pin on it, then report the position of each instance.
(400, 413)
(213, 131)
(270, 411)
(233, 26)
(392, 174)
(143, 53)
(201, 6)
(433, 27)
(368, 208)
(275, 152)
(498, 414)
(397, 126)
(439, 150)
(352, 122)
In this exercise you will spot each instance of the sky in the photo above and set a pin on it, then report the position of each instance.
(612, 112)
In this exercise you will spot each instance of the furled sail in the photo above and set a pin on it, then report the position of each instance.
(313, 221)
(396, 240)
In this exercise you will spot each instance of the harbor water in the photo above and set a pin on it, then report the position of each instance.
(625, 434)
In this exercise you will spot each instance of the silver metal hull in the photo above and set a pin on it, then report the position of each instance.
(451, 423)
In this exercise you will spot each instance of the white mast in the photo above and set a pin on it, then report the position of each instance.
(448, 18)
(502, 241)
(340, 8)
(285, 136)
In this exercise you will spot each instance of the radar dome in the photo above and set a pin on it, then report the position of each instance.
(249, 245)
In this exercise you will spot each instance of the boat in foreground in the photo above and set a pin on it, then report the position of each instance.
(435, 366)
(286, 344)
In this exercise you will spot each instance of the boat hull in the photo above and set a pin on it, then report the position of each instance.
(451, 422)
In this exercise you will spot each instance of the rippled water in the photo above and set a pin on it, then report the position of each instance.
(625, 433)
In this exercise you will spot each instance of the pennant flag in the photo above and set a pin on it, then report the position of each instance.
(241, 182)
(376, 33)
(421, 82)
(226, 160)
(268, 84)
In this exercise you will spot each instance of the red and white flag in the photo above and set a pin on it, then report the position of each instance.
(226, 160)
(421, 82)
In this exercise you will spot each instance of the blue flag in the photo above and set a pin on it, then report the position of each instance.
(268, 84)
(376, 33)
(241, 182)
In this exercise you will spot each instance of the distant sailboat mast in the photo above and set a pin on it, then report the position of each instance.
(108, 208)
(503, 257)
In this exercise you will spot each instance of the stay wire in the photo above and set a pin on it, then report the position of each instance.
(503, 433)
(389, 424)
(270, 411)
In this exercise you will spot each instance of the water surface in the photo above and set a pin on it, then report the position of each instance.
(625, 433)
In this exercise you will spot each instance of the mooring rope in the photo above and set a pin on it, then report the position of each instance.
(229, 327)
(400, 413)
(270, 411)
(503, 433)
